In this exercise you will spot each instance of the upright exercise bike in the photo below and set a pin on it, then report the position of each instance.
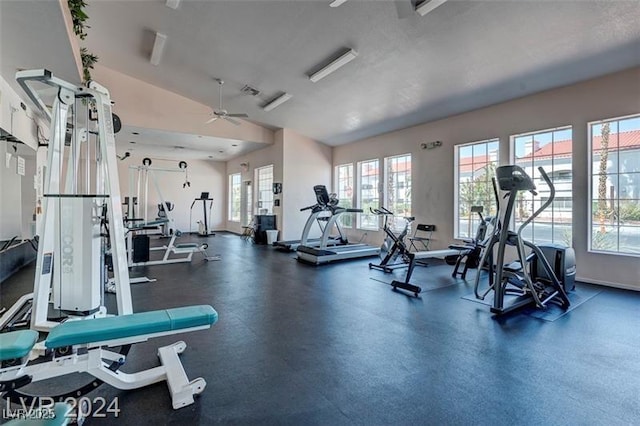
(393, 251)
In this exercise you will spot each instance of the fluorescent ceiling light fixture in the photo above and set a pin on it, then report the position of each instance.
(173, 4)
(336, 3)
(158, 48)
(428, 5)
(344, 59)
(277, 101)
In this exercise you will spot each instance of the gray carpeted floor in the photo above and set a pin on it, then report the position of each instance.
(334, 345)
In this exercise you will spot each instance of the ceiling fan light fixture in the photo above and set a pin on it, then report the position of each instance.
(158, 48)
(277, 101)
(337, 63)
(428, 5)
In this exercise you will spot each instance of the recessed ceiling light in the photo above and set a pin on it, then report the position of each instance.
(135, 133)
(132, 142)
(220, 151)
(211, 156)
(200, 136)
(235, 144)
(179, 147)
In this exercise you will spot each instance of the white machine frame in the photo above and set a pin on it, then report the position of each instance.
(94, 359)
(146, 173)
(61, 257)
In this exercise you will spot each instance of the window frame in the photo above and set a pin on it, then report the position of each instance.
(512, 160)
(353, 190)
(589, 197)
(231, 197)
(398, 223)
(456, 180)
(359, 221)
(259, 190)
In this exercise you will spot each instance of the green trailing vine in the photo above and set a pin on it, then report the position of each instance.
(76, 7)
(88, 61)
(79, 18)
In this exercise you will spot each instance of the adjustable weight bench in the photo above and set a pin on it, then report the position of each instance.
(81, 347)
(414, 258)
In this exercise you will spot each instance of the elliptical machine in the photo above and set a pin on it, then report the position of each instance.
(393, 251)
(471, 250)
(519, 279)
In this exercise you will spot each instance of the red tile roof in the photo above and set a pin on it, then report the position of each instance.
(622, 141)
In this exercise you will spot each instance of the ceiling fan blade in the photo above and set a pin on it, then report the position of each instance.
(211, 120)
(241, 115)
(231, 120)
(405, 8)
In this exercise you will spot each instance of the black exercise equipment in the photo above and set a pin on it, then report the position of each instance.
(518, 283)
(203, 229)
(472, 248)
(393, 251)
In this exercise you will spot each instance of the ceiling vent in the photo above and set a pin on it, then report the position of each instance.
(250, 90)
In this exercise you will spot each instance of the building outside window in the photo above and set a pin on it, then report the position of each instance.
(614, 202)
(397, 188)
(475, 166)
(552, 150)
(235, 188)
(344, 190)
(368, 193)
(264, 194)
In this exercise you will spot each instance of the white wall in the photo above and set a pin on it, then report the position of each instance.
(305, 163)
(433, 177)
(17, 196)
(15, 120)
(273, 154)
(204, 176)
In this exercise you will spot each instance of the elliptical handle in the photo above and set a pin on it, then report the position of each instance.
(308, 207)
(552, 188)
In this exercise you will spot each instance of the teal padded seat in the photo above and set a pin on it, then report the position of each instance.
(61, 417)
(16, 344)
(119, 327)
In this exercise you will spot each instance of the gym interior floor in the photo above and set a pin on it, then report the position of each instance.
(297, 344)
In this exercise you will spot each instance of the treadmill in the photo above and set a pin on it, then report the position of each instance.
(320, 212)
(325, 253)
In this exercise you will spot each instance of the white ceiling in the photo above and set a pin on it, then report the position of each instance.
(462, 56)
(180, 146)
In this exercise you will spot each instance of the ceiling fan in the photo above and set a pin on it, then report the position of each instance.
(223, 113)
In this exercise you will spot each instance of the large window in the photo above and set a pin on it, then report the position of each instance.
(397, 188)
(475, 166)
(344, 185)
(368, 193)
(615, 185)
(235, 187)
(551, 150)
(264, 178)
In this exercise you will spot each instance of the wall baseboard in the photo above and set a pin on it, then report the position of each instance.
(608, 284)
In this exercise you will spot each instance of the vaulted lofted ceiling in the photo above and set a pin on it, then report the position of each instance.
(463, 55)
